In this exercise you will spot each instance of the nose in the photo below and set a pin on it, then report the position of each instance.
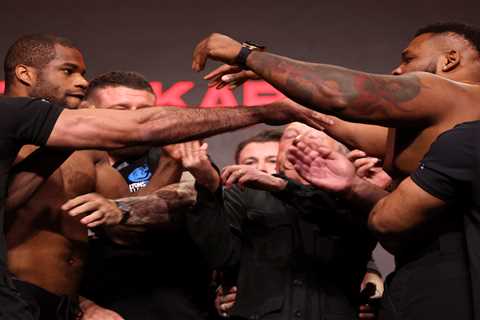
(262, 166)
(397, 71)
(81, 82)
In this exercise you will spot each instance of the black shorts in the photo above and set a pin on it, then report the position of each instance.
(45, 305)
(434, 285)
(12, 305)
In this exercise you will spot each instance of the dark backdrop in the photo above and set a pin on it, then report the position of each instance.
(156, 38)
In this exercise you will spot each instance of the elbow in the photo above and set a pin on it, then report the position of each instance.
(387, 232)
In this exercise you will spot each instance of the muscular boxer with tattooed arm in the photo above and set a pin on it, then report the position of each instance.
(418, 106)
(432, 89)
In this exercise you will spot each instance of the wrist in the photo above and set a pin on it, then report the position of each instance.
(246, 50)
(124, 210)
(353, 189)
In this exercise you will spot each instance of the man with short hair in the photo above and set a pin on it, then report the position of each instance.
(295, 257)
(141, 267)
(259, 151)
(57, 66)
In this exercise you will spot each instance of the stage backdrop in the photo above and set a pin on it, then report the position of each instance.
(156, 38)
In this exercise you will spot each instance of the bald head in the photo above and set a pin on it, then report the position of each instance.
(291, 132)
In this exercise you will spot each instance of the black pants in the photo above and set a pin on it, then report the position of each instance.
(433, 285)
(45, 305)
(12, 306)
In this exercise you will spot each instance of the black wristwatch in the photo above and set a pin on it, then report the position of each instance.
(247, 48)
(125, 209)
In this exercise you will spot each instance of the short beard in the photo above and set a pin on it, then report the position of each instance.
(43, 89)
(431, 67)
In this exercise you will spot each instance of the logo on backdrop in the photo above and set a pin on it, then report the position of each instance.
(253, 93)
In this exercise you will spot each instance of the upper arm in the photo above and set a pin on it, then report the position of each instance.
(369, 138)
(404, 209)
(400, 101)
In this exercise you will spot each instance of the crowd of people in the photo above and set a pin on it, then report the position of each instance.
(113, 209)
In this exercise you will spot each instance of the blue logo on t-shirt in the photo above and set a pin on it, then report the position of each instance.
(140, 174)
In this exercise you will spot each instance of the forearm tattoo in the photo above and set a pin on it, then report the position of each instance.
(158, 207)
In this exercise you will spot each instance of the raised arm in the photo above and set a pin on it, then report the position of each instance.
(106, 129)
(353, 95)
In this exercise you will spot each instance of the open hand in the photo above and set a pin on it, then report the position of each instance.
(247, 176)
(321, 165)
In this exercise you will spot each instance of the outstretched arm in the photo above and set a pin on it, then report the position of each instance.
(107, 129)
(353, 95)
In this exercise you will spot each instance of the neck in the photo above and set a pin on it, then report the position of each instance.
(15, 91)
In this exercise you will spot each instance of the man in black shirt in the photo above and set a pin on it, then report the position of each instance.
(37, 121)
(289, 243)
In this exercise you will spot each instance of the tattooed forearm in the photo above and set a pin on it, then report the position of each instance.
(335, 90)
(158, 207)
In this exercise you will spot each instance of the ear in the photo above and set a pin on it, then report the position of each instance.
(26, 75)
(450, 61)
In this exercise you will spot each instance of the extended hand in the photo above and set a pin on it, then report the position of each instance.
(232, 76)
(216, 47)
(285, 111)
(195, 159)
(246, 176)
(98, 209)
(322, 166)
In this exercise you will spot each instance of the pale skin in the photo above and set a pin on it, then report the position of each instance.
(260, 155)
(419, 105)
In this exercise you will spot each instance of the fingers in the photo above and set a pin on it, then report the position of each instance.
(356, 154)
(72, 203)
(364, 165)
(200, 55)
(231, 174)
(366, 312)
(94, 219)
(85, 207)
(224, 303)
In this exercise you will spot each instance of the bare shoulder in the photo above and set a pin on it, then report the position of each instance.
(95, 156)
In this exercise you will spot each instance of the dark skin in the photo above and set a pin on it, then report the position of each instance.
(38, 191)
(416, 103)
(419, 105)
